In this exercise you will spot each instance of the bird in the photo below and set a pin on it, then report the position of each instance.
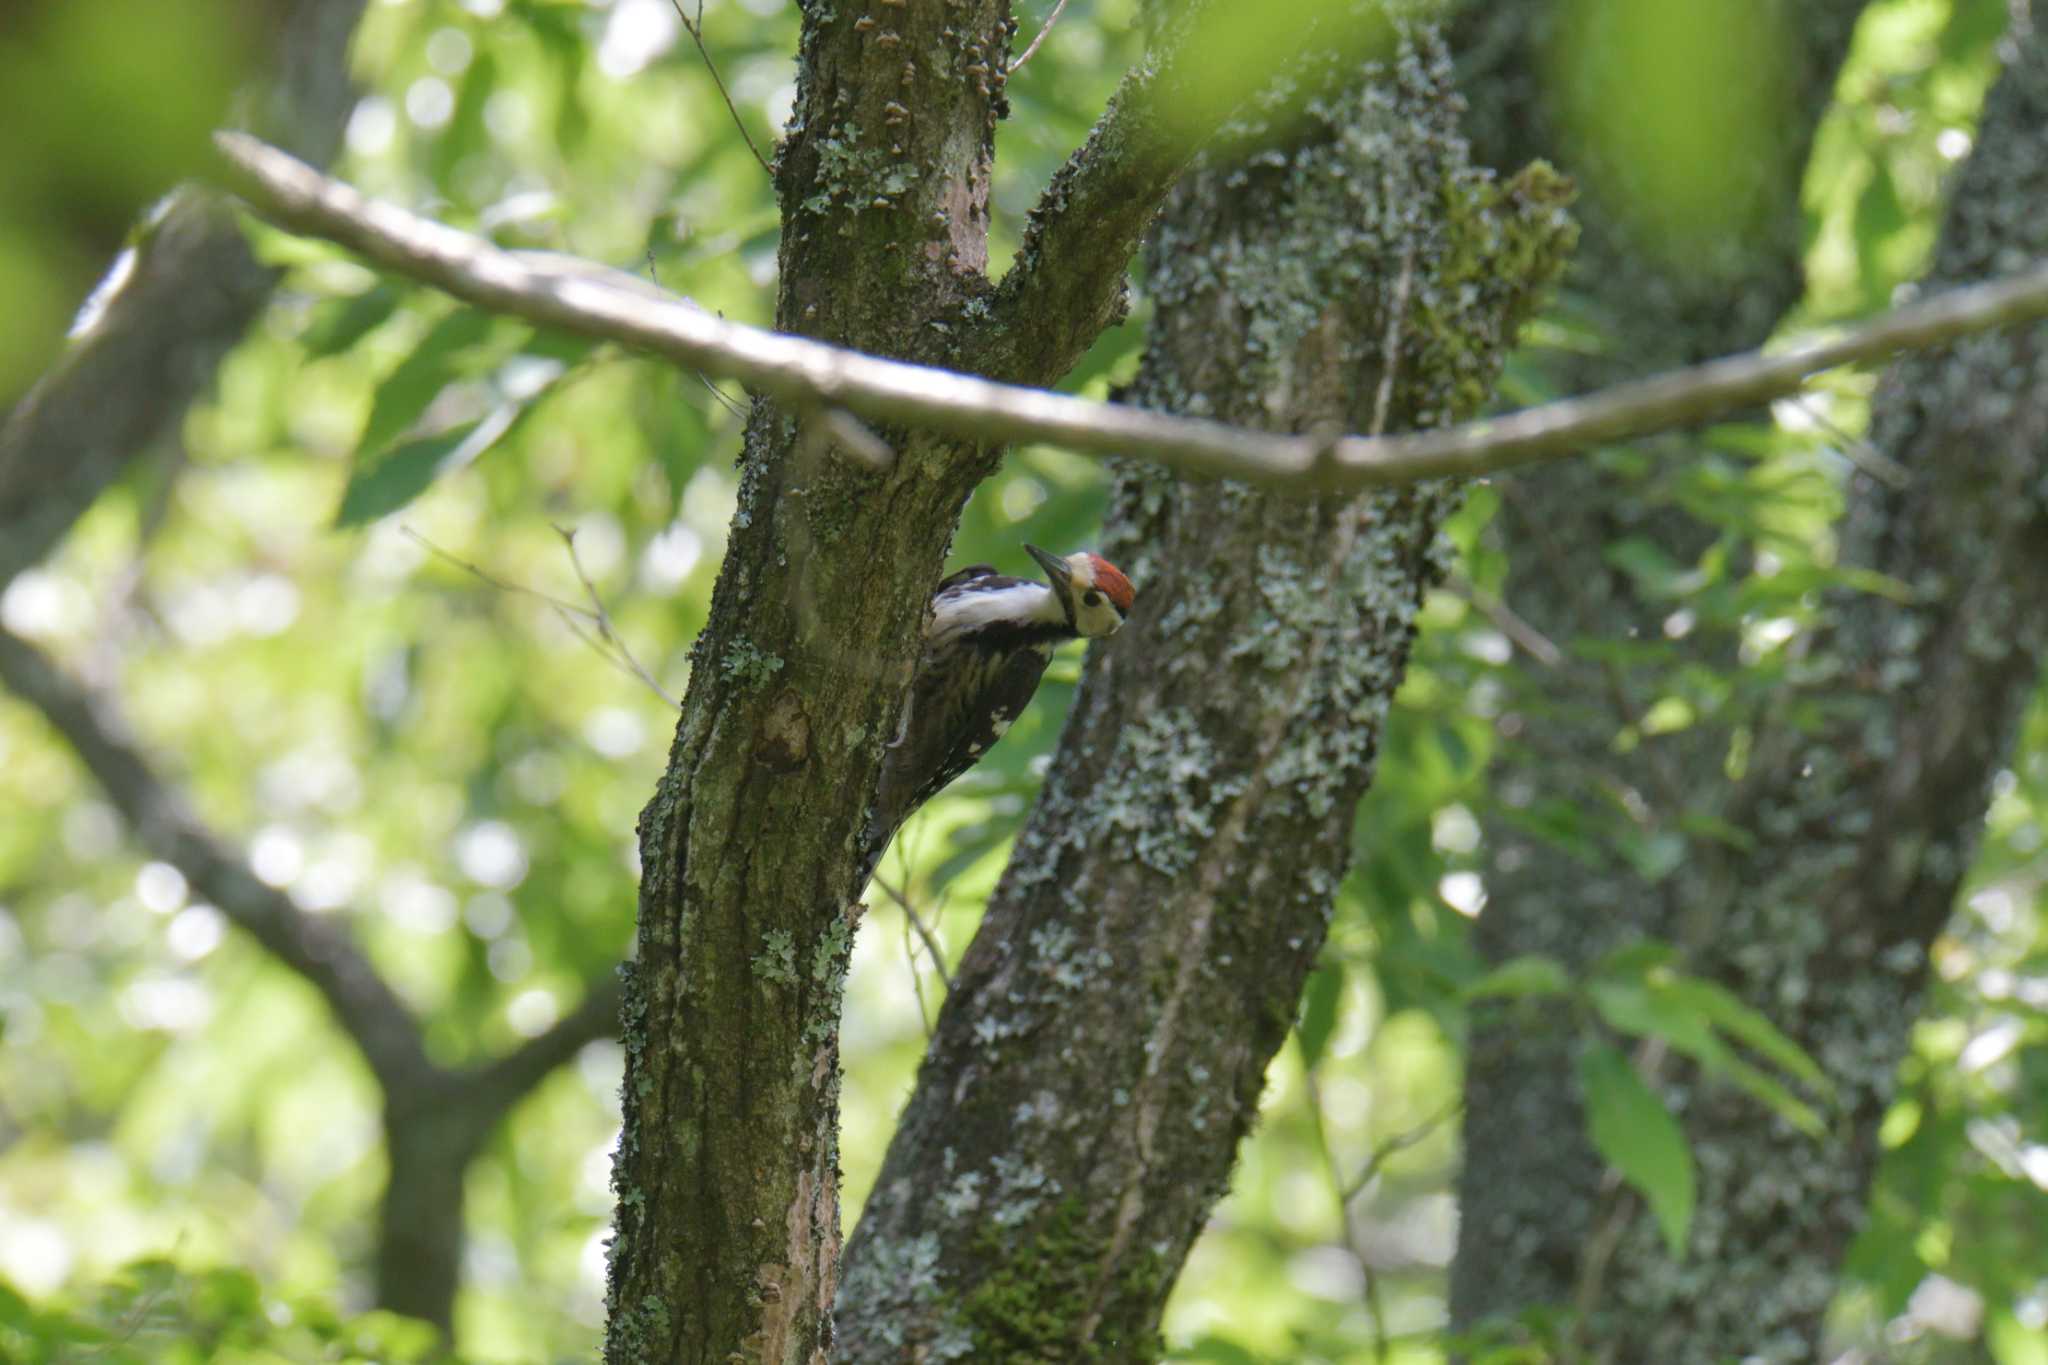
(987, 639)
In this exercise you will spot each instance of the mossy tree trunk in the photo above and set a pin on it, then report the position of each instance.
(727, 1231)
(1106, 1040)
(1863, 805)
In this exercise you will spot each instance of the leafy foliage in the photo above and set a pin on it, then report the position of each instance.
(156, 1312)
(408, 737)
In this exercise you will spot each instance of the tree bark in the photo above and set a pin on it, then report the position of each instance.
(1864, 802)
(193, 291)
(727, 1232)
(1106, 1039)
(1526, 1207)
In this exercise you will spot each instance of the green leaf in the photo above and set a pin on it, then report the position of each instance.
(1701, 825)
(1530, 975)
(381, 486)
(1635, 959)
(1321, 1005)
(1637, 1135)
(1973, 26)
(343, 322)
(1879, 212)
(1656, 573)
(1719, 1006)
(443, 355)
(1655, 855)
(1215, 1350)
(1648, 1011)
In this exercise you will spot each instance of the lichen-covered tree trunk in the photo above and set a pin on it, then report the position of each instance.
(1104, 1046)
(1863, 814)
(727, 1230)
(1526, 1207)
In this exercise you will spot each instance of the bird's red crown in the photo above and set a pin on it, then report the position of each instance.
(1110, 580)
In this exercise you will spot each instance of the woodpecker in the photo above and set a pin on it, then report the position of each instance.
(987, 640)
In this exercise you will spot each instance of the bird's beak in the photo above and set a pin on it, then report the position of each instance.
(1058, 574)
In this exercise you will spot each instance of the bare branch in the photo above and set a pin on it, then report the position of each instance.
(580, 621)
(497, 1085)
(924, 933)
(696, 32)
(1855, 449)
(1525, 637)
(602, 619)
(1057, 10)
(595, 302)
(854, 437)
(168, 310)
(317, 949)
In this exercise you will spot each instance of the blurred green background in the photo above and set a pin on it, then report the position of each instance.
(187, 1147)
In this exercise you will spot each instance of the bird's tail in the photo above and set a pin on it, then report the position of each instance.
(874, 842)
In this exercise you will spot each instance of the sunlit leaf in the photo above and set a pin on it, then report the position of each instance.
(341, 323)
(1719, 1006)
(1529, 975)
(1637, 1135)
(393, 479)
(443, 355)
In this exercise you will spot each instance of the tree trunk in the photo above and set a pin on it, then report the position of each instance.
(194, 289)
(727, 1232)
(1106, 1040)
(1864, 806)
(1525, 1207)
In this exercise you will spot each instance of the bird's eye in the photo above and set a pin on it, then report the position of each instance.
(1092, 598)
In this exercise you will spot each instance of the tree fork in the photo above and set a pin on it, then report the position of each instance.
(1171, 890)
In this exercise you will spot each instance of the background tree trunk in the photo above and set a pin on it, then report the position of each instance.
(1864, 804)
(1106, 1040)
(193, 291)
(115, 397)
(1524, 1207)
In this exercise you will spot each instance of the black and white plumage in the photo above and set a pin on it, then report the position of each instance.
(986, 644)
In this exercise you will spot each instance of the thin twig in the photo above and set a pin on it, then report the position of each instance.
(605, 642)
(593, 302)
(730, 404)
(1398, 1143)
(1525, 636)
(931, 944)
(1855, 449)
(924, 1014)
(696, 32)
(603, 620)
(1375, 1306)
(1050, 20)
(725, 400)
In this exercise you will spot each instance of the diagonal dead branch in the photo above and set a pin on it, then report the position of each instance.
(588, 301)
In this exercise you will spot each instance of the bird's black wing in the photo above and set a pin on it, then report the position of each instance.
(949, 727)
(967, 575)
